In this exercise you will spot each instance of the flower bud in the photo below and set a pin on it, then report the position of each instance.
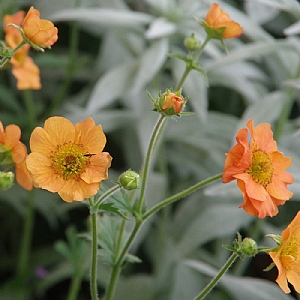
(6, 180)
(129, 180)
(191, 43)
(171, 103)
(249, 247)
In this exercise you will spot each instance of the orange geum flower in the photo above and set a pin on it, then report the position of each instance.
(23, 67)
(26, 73)
(259, 169)
(219, 25)
(13, 36)
(286, 256)
(14, 153)
(39, 32)
(68, 159)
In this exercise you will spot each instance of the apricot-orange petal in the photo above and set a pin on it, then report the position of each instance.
(260, 170)
(68, 159)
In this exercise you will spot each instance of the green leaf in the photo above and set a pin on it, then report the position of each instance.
(122, 202)
(110, 208)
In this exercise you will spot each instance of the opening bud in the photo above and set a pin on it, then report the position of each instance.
(129, 180)
(169, 103)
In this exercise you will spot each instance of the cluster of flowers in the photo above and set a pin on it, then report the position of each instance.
(21, 33)
(69, 159)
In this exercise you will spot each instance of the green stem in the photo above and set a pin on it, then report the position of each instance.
(180, 195)
(189, 67)
(30, 109)
(117, 267)
(26, 239)
(19, 46)
(4, 60)
(108, 193)
(74, 288)
(119, 239)
(200, 50)
(156, 133)
(138, 222)
(93, 279)
(224, 269)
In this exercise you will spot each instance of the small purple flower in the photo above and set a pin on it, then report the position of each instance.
(40, 272)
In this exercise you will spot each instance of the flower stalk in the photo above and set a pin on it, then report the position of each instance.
(223, 270)
(26, 239)
(117, 267)
(153, 141)
(108, 193)
(179, 195)
(93, 274)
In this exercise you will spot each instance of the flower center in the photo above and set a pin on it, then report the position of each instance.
(261, 168)
(70, 160)
(292, 248)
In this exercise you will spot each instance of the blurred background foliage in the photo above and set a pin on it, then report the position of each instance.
(109, 53)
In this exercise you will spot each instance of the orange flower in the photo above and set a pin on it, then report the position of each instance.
(68, 159)
(172, 101)
(287, 257)
(23, 67)
(14, 152)
(259, 169)
(13, 36)
(38, 31)
(27, 74)
(217, 19)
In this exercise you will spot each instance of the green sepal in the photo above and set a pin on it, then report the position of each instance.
(212, 32)
(191, 64)
(270, 267)
(6, 180)
(276, 238)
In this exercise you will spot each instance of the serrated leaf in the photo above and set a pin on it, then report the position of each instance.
(110, 208)
(122, 202)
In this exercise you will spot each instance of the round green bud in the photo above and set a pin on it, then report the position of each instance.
(6, 180)
(191, 43)
(129, 180)
(249, 247)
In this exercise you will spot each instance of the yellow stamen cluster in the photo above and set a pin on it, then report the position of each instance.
(70, 160)
(261, 168)
(292, 247)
